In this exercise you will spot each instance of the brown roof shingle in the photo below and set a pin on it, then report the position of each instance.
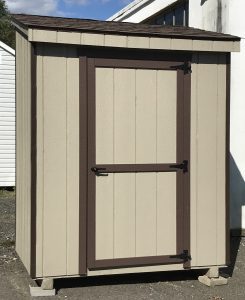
(109, 27)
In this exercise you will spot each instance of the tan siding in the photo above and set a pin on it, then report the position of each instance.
(124, 212)
(58, 161)
(166, 213)
(108, 40)
(135, 125)
(124, 116)
(221, 160)
(23, 149)
(40, 165)
(208, 157)
(166, 116)
(104, 217)
(146, 101)
(72, 163)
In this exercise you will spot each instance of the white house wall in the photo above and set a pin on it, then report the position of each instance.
(224, 16)
(7, 116)
(227, 16)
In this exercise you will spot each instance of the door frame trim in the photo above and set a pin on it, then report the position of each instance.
(88, 238)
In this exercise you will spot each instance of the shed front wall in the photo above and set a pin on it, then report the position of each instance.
(58, 162)
(23, 149)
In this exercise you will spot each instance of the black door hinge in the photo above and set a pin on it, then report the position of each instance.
(184, 256)
(183, 166)
(186, 67)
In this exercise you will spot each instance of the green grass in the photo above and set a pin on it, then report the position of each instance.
(7, 193)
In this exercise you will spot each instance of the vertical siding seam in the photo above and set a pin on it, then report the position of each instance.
(196, 154)
(67, 259)
(113, 152)
(157, 72)
(43, 135)
(217, 137)
(135, 175)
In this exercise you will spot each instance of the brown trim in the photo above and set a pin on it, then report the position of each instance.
(134, 262)
(137, 168)
(136, 64)
(83, 141)
(33, 159)
(187, 156)
(183, 197)
(91, 162)
(134, 55)
(227, 167)
(180, 157)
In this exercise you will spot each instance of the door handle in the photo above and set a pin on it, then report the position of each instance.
(99, 171)
(183, 166)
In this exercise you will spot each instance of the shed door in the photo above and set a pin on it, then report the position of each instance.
(138, 164)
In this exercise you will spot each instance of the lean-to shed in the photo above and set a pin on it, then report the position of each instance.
(7, 116)
(122, 147)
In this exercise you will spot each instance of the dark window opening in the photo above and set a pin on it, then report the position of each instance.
(176, 15)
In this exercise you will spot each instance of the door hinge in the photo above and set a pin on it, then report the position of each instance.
(184, 256)
(186, 67)
(183, 166)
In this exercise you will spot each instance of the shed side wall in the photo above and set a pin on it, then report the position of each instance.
(57, 161)
(23, 149)
(208, 156)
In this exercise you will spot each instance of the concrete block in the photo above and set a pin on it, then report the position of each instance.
(47, 284)
(212, 281)
(213, 272)
(39, 292)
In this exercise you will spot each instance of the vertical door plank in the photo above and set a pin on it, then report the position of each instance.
(124, 211)
(104, 115)
(145, 214)
(166, 116)
(104, 217)
(166, 213)
(145, 116)
(124, 116)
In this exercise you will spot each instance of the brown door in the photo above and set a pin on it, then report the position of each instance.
(138, 163)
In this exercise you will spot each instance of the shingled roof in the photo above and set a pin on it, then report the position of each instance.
(109, 27)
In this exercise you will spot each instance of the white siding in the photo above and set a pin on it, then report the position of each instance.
(7, 117)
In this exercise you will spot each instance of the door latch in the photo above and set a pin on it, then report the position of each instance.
(99, 171)
(184, 256)
(183, 166)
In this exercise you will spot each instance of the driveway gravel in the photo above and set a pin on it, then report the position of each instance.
(14, 280)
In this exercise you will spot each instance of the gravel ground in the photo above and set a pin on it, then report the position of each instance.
(14, 280)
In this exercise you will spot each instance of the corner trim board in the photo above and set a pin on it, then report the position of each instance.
(33, 159)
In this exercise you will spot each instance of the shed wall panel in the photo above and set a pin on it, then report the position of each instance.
(208, 159)
(57, 161)
(23, 150)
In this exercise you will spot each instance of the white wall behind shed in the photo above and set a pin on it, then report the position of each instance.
(227, 16)
(7, 116)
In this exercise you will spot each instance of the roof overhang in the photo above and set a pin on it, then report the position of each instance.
(125, 35)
